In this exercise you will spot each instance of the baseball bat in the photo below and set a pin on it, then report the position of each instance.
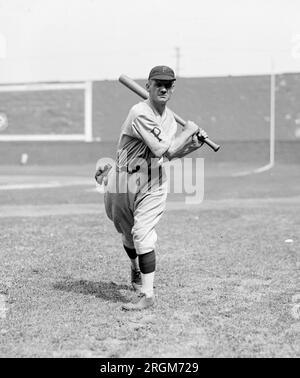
(136, 88)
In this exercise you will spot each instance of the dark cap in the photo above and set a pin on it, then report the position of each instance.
(162, 73)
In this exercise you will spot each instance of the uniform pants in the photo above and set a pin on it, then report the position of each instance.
(135, 210)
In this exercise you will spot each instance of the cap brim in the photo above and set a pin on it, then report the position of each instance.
(163, 77)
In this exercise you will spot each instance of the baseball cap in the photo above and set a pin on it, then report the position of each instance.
(162, 73)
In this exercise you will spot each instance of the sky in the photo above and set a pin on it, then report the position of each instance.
(72, 40)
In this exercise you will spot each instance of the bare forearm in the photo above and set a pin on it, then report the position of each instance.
(188, 148)
(178, 145)
(188, 141)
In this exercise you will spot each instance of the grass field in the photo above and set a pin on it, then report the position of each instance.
(227, 281)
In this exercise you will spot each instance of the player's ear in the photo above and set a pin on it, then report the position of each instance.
(148, 85)
(173, 87)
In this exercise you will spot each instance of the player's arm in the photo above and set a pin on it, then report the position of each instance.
(186, 142)
(146, 128)
(192, 144)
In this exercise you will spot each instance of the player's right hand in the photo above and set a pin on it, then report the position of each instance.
(102, 173)
(191, 127)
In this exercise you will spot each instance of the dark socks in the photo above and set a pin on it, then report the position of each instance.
(131, 252)
(147, 262)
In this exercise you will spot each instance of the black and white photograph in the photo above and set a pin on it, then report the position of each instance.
(149, 182)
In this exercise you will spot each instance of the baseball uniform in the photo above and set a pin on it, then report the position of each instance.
(136, 192)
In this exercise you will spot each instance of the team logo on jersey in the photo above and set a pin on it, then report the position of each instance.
(156, 132)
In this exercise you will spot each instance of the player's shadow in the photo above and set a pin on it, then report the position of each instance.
(108, 291)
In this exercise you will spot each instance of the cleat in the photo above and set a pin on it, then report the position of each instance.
(142, 304)
(136, 279)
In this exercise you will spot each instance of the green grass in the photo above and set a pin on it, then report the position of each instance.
(225, 281)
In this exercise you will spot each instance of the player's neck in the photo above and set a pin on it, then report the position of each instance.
(160, 108)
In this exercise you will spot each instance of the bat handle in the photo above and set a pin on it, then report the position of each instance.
(211, 144)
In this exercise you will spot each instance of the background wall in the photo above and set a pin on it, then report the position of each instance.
(235, 111)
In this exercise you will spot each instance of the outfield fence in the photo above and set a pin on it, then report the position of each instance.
(253, 117)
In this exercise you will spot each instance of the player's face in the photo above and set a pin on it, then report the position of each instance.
(160, 91)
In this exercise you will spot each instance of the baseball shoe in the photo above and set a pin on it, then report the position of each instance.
(136, 279)
(142, 304)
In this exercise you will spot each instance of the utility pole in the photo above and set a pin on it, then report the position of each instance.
(178, 56)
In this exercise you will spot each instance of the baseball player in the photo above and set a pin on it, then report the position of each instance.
(136, 187)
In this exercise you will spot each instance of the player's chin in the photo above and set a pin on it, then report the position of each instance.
(163, 99)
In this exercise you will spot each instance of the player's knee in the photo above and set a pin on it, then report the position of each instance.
(147, 262)
(143, 239)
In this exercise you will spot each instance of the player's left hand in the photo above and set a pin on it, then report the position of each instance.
(198, 138)
(102, 173)
(202, 134)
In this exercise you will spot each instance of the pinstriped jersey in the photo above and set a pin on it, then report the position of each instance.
(145, 135)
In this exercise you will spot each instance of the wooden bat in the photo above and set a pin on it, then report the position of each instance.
(136, 88)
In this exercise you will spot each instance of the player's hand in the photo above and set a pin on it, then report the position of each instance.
(196, 142)
(191, 127)
(102, 173)
(198, 138)
(202, 134)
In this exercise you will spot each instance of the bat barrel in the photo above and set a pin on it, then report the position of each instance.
(132, 85)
